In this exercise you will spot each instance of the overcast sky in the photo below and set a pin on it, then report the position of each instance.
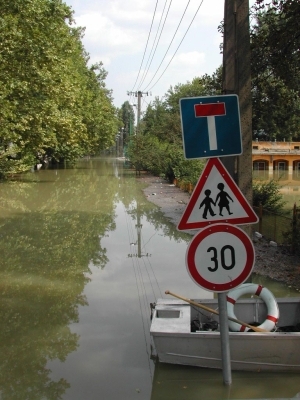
(117, 32)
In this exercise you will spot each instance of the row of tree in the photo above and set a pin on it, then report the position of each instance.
(52, 104)
(275, 43)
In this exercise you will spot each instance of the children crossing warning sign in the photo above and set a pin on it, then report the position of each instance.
(216, 198)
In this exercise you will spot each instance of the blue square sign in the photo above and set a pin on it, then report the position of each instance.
(210, 126)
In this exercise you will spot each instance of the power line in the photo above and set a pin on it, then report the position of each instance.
(146, 70)
(176, 49)
(170, 43)
(146, 45)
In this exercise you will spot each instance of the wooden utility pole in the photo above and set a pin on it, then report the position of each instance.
(237, 80)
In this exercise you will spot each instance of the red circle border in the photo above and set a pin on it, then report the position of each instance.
(216, 228)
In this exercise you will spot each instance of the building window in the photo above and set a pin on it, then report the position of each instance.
(259, 166)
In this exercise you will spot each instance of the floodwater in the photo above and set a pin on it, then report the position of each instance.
(83, 254)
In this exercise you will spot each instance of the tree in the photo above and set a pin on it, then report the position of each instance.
(268, 195)
(127, 116)
(52, 104)
(99, 115)
(275, 42)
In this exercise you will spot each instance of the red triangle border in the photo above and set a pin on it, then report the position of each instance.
(216, 162)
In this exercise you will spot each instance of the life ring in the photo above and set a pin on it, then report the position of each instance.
(258, 290)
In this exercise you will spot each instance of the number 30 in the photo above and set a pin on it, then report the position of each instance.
(223, 261)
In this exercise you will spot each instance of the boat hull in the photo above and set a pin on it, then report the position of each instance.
(175, 343)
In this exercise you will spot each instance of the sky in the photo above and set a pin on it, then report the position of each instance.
(138, 57)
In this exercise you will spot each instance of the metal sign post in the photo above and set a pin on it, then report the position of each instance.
(219, 258)
(224, 334)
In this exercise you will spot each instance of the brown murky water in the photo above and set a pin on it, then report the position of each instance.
(83, 254)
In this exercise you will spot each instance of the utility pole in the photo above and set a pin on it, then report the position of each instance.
(237, 80)
(139, 95)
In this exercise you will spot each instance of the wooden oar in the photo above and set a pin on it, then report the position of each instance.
(211, 310)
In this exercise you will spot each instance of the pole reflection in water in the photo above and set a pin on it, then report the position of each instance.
(83, 254)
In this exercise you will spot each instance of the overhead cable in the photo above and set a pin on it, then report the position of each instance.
(170, 43)
(146, 45)
(147, 67)
(175, 50)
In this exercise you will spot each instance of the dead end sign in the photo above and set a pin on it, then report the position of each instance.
(216, 198)
(210, 126)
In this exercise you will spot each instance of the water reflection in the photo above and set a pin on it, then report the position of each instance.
(47, 243)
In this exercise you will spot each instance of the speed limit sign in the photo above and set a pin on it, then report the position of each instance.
(220, 257)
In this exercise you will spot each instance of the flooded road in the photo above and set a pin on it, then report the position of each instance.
(83, 254)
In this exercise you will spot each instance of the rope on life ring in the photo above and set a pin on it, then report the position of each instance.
(264, 294)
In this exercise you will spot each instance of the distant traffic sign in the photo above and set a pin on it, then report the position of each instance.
(216, 198)
(210, 126)
(220, 257)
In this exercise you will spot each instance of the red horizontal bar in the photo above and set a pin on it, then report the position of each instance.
(209, 109)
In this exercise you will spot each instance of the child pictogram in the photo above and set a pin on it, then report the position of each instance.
(207, 202)
(223, 199)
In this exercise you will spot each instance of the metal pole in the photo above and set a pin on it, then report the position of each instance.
(224, 334)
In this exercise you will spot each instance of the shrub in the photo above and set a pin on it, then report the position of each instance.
(268, 195)
(147, 152)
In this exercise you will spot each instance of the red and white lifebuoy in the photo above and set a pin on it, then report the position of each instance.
(264, 294)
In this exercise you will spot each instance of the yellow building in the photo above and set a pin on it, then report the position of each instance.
(276, 160)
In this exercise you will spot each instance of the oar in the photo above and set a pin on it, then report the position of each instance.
(211, 310)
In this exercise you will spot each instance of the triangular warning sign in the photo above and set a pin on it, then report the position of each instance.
(216, 198)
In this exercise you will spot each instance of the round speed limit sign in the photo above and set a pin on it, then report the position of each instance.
(220, 257)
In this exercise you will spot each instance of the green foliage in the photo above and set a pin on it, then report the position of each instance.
(148, 153)
(51, 102)
(275, 69)
(276, 39)
(126, 115)
(268, 195)
(187, 171)
(10, 164)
